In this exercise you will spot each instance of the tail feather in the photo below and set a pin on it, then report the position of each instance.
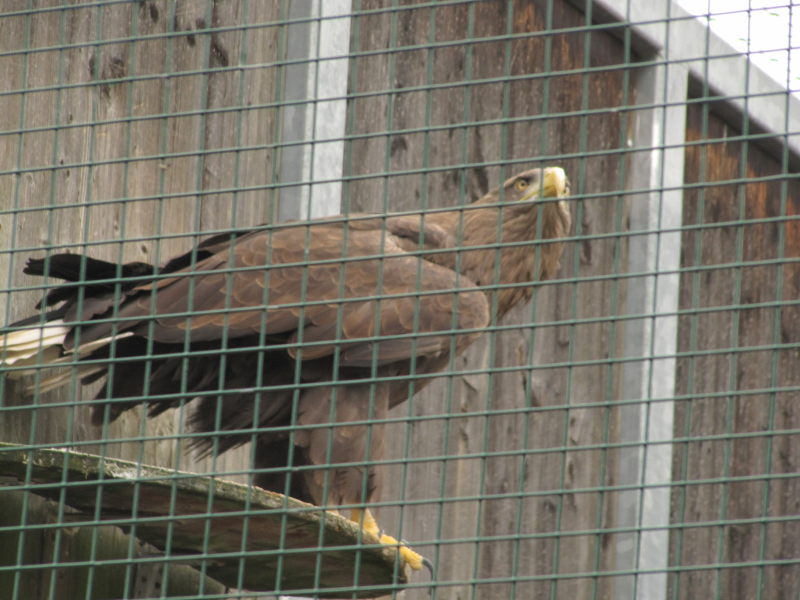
(53, 382)
(78, 267)
(81, 271)
(89, 347)
(43, 346)
(27, 343)
(38, 360)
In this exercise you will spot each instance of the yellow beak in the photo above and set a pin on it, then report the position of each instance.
(555, 183)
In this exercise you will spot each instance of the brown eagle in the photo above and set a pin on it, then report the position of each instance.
(296, 335)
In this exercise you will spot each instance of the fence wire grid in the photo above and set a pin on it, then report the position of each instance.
(631, 431)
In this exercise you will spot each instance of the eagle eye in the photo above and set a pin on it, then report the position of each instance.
(521, 185)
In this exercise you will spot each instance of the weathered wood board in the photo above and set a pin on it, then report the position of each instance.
(506, 465)
(139, 125)
(250, 538)
(738, 373)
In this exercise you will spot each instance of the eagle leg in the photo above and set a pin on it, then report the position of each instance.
(367, 522)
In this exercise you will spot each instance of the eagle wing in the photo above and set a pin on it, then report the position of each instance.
(312, 288)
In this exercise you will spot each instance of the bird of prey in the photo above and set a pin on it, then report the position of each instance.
(299, 336)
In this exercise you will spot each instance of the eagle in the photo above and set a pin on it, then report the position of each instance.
(299, 336)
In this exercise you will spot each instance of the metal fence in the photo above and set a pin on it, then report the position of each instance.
(631, 432)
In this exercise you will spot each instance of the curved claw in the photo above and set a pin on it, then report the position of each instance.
(428, 565)
(425, 562)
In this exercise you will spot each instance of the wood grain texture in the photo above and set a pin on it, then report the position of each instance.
(122, 156)
(169, 510)
(530, 482)
(729, 416)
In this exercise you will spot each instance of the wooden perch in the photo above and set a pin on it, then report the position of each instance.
(235, 530)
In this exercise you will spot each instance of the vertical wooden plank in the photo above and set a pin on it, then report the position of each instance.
(118, 129)
(534, 493)
(120, 155)
(37, 154)
(737, 368)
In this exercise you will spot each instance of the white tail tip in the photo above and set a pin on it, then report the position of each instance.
(27, 343)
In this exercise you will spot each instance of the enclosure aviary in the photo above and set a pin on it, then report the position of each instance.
(301, 336)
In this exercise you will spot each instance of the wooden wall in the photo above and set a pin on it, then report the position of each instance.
(108, 156)
(513, 512)
(738, 371)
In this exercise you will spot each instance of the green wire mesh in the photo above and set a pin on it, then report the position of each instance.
(632, 432)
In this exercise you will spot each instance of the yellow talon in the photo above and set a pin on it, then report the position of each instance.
(368, 524)
(411, 558)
